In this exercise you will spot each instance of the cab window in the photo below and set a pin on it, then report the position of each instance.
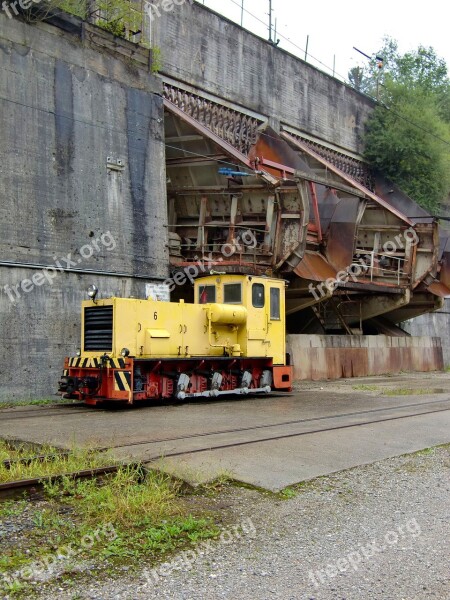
(258, 295)
(232, 293)
(275, 304)
(206, 294)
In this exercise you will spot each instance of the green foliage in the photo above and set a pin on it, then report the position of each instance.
(74, 7)
(405, 144)
(408, 134)
(288, 493)
(130, 516)
(53, 463)
(407, 392)
(42, 10)
(10, 508)
(358, 79)
(156, 59)
(120, 17)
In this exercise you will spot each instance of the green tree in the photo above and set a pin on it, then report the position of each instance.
(123, 18)
(357, 79)
(408, 134)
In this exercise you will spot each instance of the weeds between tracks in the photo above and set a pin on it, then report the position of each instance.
(127, 516)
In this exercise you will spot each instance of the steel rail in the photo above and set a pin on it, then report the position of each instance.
(30, 414)
(28, 460)
(266, 426)
(39, 481)
(292, 435)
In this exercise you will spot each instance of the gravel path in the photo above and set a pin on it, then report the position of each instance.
(378, 532)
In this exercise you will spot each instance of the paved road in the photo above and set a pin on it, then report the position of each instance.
(377, 532)
(270, 442)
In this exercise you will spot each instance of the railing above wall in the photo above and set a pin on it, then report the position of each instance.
(237, 128)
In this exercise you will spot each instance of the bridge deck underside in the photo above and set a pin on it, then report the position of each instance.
(245, 198)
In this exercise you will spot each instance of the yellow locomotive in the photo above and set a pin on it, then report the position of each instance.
(232, 339)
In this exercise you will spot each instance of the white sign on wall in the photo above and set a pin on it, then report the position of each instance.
(157, 291)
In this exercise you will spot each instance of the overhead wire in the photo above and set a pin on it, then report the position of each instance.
(113, 130)
(121, 132)
(205, 156)
(142, 130)
(281, 36)
(145, 128)
(105, 127)
(345, 79)
(413, 123)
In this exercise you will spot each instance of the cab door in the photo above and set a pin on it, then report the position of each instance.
(257, 302)
(276, 322)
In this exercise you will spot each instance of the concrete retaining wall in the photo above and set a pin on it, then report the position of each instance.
(66, 106)
(434, 324)
(317, 357)
(202, 48)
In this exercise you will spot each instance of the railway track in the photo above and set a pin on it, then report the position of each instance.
(14, 414)
(28, 460)
(362, 416)
(11, 489)
(293, 435)
(79, 408)
(286, 423)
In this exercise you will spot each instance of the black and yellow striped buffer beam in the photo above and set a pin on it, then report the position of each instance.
(122, 381)
(96, 363)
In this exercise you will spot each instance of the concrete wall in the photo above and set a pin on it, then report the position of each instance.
(214, 54)
(434, 324)
(319, 357)
(66, 105)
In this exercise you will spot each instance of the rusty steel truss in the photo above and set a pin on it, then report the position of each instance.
(233, 126)
(244, 197)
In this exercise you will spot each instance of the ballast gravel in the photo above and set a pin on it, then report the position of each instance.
(376, 532)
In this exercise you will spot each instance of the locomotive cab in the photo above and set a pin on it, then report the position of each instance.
(230, 340)
(264, 333)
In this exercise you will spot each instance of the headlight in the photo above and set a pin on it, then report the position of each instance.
(92, 291)
(78, 352)
(125, 352)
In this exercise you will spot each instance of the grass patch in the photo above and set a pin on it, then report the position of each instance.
(12, 508)
(12, 451)
(365, 388)
(123, 518)
(427, 452)
(287, 493)
(54, 462)
(42, 402)
(407, 392)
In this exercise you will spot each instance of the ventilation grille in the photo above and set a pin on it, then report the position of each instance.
(98, 328)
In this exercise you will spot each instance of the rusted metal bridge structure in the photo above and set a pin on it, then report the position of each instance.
(227, 151)
(359, 255)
